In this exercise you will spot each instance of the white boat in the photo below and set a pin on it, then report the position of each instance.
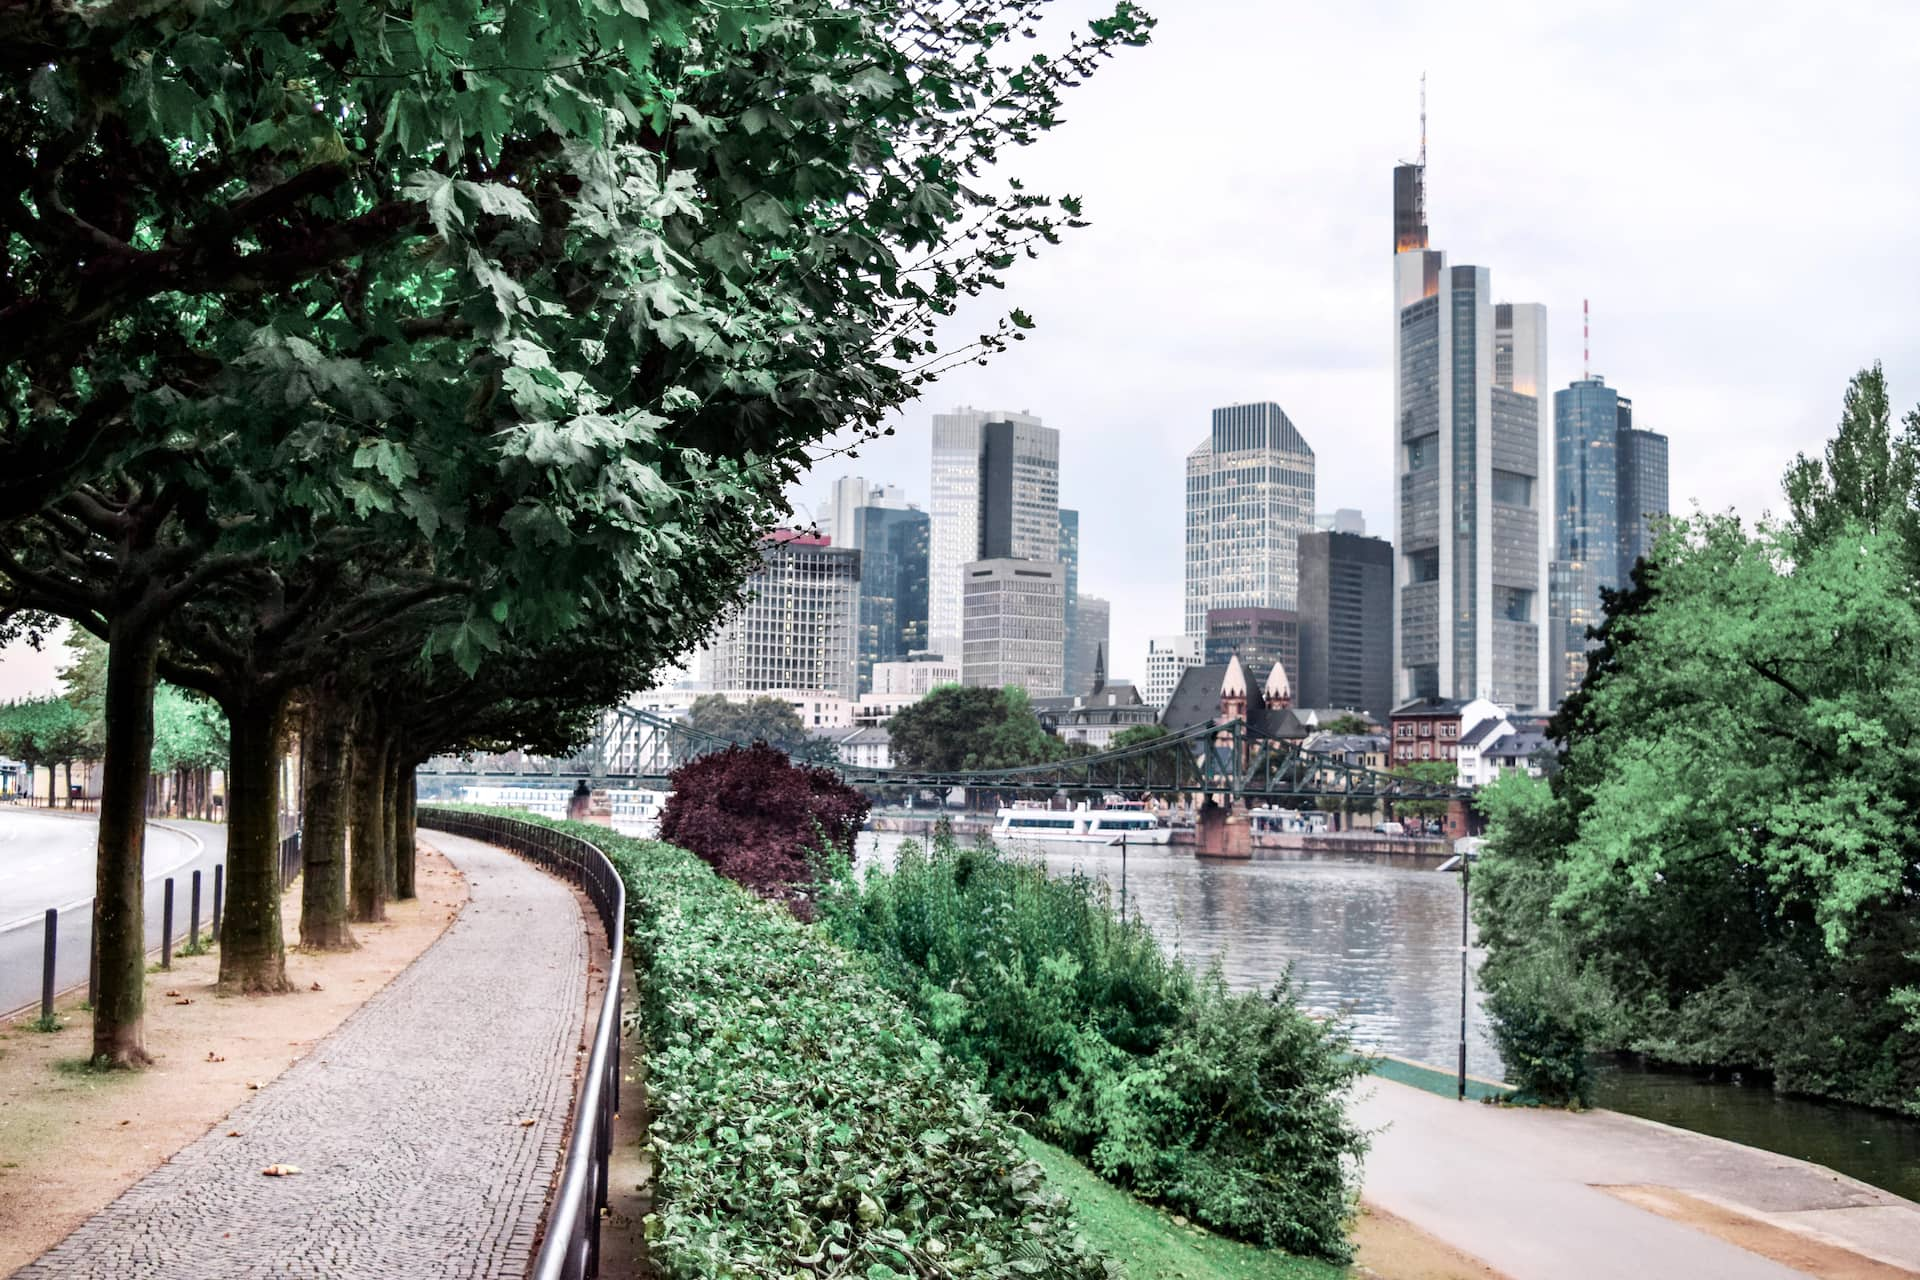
(1267, 821)
(1104, 825)
(635, 811)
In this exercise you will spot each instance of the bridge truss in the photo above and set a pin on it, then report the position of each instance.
(1222, 759)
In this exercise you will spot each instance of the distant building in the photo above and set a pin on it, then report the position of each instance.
(1089, 644)
(894, 545)
(1431, 728)
(1013, 630)
(1233, 690)
(1077, 671)
(798, 627)
(916, 676)
(1096, 717)
(995, 495)
(1341, 520)
(1610, 489)
(1643, 492)
(1260, 636)
(1249, 498)
(1346, 623)
(846, 498)
(1167, 657)
(1472, 473)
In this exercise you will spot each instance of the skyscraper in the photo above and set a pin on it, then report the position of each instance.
(1472, 469)
(797, 629)
(894, 546)
(839, 513)
(1089, 640)
(1070, 561)
(995, 494)
(1013, 626)
(1249, 498)
(1346, 623)
(1611, 487)
(1643, 491)
(1261, 637)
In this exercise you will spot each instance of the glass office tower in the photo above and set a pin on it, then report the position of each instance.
(1249, 498)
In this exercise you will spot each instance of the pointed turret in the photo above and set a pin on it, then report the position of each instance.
(1279, 691)
(1233, 690)
(1099, 669)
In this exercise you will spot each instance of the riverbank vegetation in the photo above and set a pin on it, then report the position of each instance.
(424, 382)
(1724, 871)
(801, 1121)
(1226, 1107)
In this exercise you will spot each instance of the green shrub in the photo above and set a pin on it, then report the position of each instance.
(1546, 1056)
(801, 1121)
(1224, 1106)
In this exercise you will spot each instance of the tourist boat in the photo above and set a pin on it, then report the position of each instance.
(1268, 823)
(1105, 825)
(635, 811)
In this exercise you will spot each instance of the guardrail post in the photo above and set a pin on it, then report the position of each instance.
(46, 965)
(193, 915)
(219, 882)
(166, 925)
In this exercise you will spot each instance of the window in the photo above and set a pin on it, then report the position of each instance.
(1403, 730)
(1426, 751)
(1449, 729)
(1426, 728)
(1511, 489)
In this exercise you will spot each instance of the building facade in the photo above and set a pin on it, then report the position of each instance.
(1013, 628)
(915, 677)
(1610, 494)
(798, 629)
(1089, 645)
(1261, 637)
(1643, 492)
(1077, 673)
(1346, 623)
(1472, 471)
(894, 547)
(995, 495)
(1167, 657)
(1249, 498)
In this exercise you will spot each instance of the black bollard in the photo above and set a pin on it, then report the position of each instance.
(193, 915)
(166, 925)
(219, 881)
(46, 965)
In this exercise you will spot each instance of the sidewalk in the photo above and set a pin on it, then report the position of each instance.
(427, 1129)
(1524, 1190)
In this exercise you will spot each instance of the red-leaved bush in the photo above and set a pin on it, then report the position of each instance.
(753, 816)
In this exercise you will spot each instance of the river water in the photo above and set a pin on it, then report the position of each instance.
(1381, 945)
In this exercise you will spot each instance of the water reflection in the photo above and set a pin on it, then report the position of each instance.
(1380, 943)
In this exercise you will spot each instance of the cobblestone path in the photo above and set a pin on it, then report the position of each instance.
(406, 1123)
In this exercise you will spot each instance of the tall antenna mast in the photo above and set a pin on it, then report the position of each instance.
(1586, 342)
(1423, 120)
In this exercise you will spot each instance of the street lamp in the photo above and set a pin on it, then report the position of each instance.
(1463, 860)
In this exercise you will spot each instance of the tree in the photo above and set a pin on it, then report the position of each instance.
(1348, 723)
(548, 299)
(970, 727)
(768, 720)
(1425, 773)
(1867, 476)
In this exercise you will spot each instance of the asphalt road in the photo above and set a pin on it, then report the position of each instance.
(47, 860)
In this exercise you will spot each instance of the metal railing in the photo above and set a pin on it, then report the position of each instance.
(571, 1247)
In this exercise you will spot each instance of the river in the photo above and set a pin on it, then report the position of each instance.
(1381, 945)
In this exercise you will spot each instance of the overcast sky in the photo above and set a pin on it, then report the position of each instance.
(1735, 186)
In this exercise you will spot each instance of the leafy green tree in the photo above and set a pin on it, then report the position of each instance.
(970, 727)
(1348, 723)
(767, 720)
(1425, 773)
(1867, 476)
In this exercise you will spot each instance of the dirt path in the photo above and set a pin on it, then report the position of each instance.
(72, 1140)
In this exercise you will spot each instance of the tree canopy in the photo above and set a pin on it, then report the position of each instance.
(1724, 869)
(969, 727)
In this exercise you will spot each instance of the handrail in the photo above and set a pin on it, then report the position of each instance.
(571, 1248)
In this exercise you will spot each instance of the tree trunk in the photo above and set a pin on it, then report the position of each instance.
(368, 876)
(253, 956)
(119, 925)
(323, 826)
(404, 829)
(390, 817)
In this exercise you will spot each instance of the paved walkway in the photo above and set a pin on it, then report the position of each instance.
(406, 1123)
(1521, 1190)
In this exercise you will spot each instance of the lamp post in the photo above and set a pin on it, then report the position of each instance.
(1463, 861)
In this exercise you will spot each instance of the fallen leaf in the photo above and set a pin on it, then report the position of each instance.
(524, 1124)
(214, 1057)
(173, 993)
(281, 1170)
(184, 1000)
(253, 1084)
(126, 1122)
(233, 1133)
(314, 987)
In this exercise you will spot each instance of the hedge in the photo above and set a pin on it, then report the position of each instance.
(801, 1122)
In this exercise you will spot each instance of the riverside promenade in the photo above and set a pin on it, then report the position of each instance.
(427, 1129)
(1554, 1195)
